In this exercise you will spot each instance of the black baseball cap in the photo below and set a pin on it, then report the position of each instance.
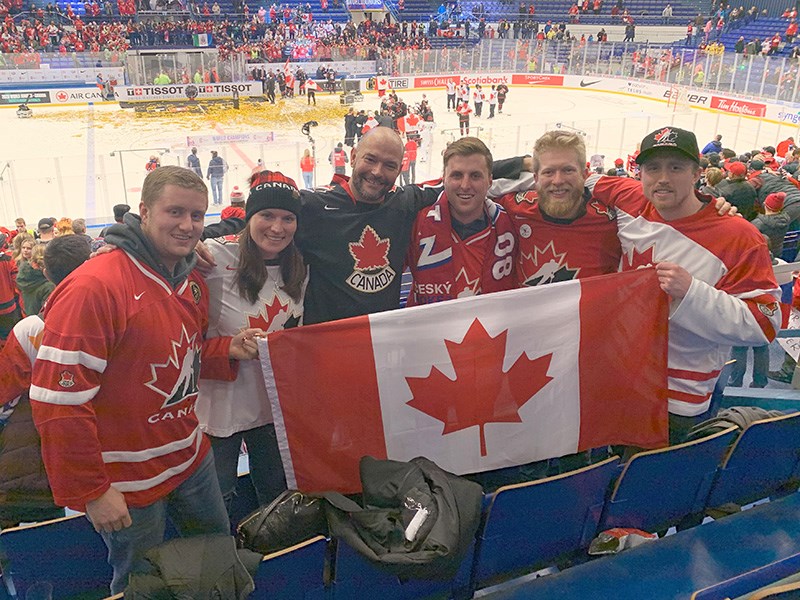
(669, 137)
(45, 224)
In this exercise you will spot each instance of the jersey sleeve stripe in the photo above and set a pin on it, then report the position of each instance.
(686, 397)
(693, 375)
(145, 455)
(72, 357)
(61, 397)
(146, 484)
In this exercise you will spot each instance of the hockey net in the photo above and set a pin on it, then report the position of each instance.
(678, 100)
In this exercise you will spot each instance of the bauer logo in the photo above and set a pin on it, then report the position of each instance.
(692, 98)
(398, 83)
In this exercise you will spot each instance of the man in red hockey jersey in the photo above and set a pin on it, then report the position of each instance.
(717, 271)
(115, 381)
(464, 244)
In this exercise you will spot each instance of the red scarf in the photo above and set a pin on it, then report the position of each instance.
(436, 255)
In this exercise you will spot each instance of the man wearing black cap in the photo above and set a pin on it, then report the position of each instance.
(45, 229)
(717, 271)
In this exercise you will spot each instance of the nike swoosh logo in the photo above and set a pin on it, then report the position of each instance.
(137, 296)
(584, 84)
(331, 207)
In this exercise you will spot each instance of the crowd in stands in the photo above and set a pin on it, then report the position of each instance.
(298, 38)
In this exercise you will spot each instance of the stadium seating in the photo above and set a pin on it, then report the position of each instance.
(355, 578)
(296, 573)
(761, 463)
(530, 526)
(638, 499)
(746, 583)
(66, 552)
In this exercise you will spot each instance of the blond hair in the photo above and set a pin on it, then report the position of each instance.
(467, 146)
(559, 140)
(37, 255)
(157, 180)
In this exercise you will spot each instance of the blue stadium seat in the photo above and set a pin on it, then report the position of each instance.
(66, 552)
(530, 526)
(355, 578)
(790, 246)
(639, 500)
(761, 463)
(296, 573)
(742, 585)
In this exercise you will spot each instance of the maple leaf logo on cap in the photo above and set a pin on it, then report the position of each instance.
(481, 393)
(666, 136)
(370, 252)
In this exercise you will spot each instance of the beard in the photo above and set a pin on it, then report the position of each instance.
(570, 208)
(370, 196)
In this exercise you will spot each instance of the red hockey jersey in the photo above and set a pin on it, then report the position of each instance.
(115, 384)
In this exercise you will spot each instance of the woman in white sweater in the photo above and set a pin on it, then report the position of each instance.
(258, 282)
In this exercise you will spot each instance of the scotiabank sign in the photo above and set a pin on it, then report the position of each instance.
(438, 81)
(533, 79)
(486, 79)
(739, 107)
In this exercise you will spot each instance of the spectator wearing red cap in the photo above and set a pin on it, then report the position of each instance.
(738, 191)
(774, 223)
(619, 167)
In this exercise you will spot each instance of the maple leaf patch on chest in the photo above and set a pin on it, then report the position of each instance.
(176, 378)
(482, 392)
(272, 316)
(372, 271)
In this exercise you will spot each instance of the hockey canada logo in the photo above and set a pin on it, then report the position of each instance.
(665, 136)
(176, 378)
(545, 265)
(67, 379)
(768, 310)
(274, 316)
(602, 209)
(372, 270)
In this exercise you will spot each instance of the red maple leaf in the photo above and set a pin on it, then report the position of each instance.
(265, 318)
(370, 252)
(481, 393)
(638, 260)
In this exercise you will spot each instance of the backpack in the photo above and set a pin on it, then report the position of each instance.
(735, 416)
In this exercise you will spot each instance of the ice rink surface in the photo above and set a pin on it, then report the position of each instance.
(80, 161)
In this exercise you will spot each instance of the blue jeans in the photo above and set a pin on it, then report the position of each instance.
(266, 468)
(195, 507)
(760, 365)
(216, 189)
(308, 179)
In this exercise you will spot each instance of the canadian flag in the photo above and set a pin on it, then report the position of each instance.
(473, 384)
(408, 124)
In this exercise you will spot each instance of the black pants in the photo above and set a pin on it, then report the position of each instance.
(451, 101)
(312, 95)
(478, 108)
